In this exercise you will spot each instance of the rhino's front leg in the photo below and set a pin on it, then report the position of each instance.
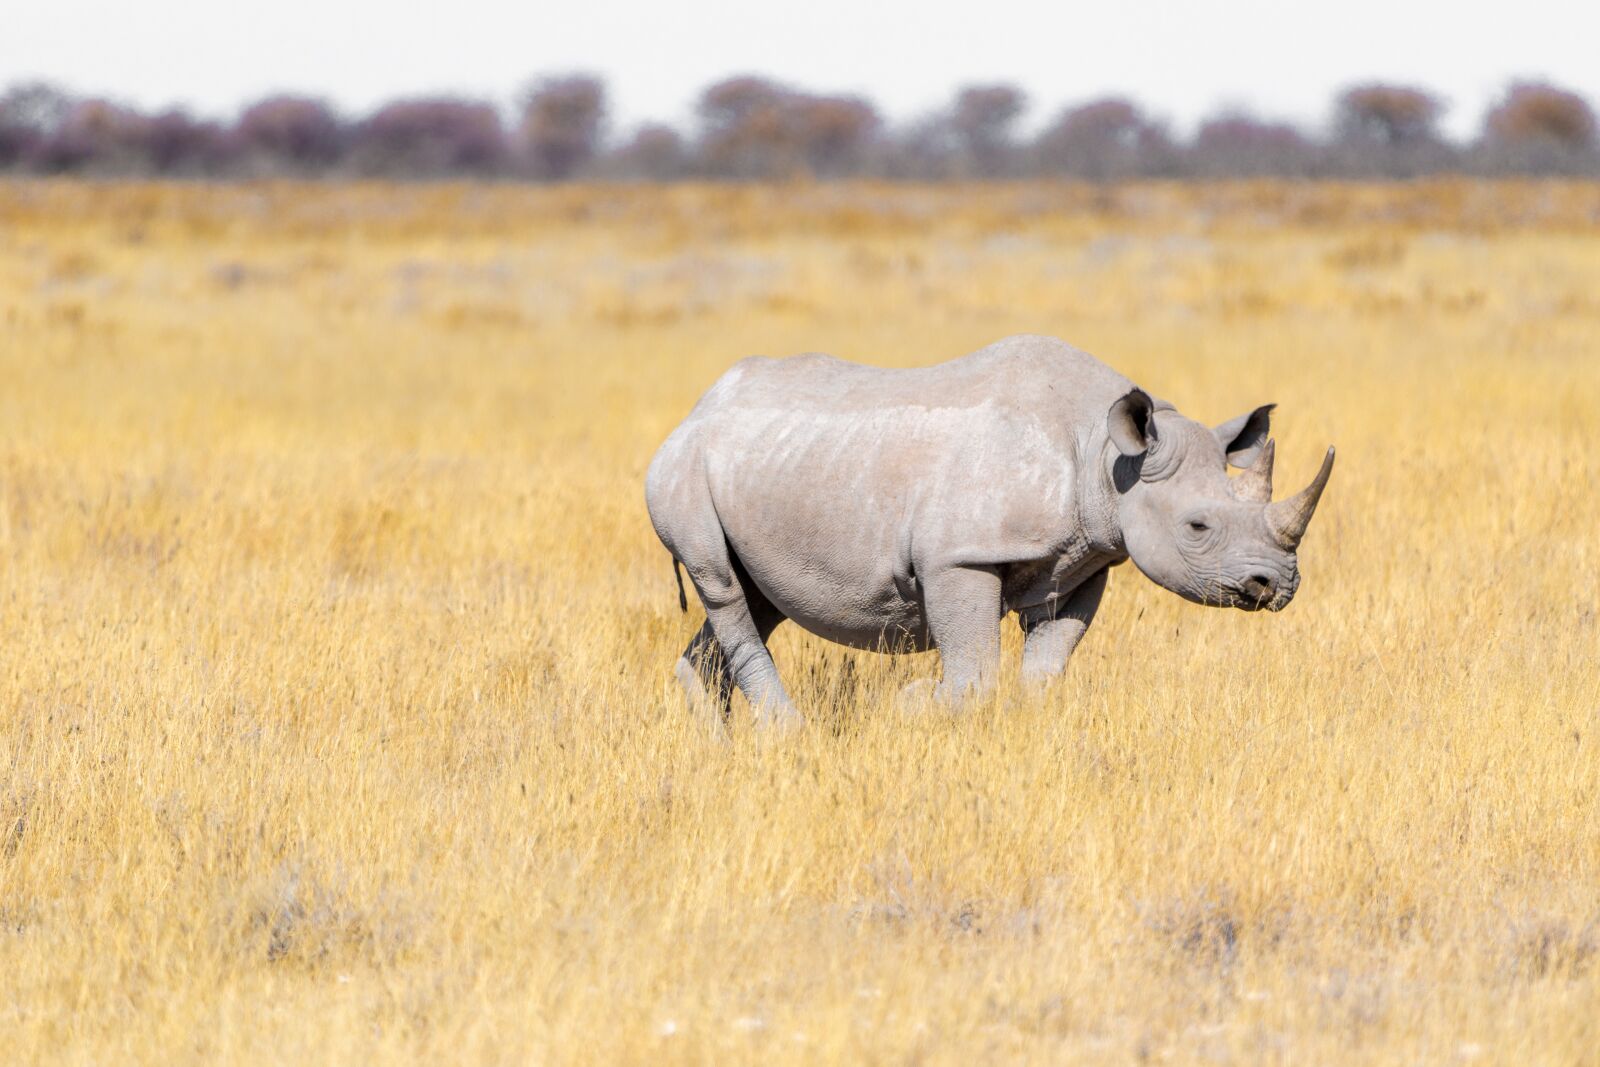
(1053, 630)
(963, 609)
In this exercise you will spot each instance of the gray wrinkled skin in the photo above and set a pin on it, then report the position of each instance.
(903, 510)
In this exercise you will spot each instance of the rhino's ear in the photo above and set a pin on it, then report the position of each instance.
(1130, 424)
(1242, 438)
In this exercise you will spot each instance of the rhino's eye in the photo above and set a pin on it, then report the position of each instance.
(1197, 526)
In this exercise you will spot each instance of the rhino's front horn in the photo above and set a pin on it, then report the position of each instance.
(1254, 486)
(1289, 518)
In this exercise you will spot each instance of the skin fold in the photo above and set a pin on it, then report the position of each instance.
(905, 510)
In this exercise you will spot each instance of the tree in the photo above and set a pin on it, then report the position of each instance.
(1234, 145)
(983, 119)
(744, 129)
(1389, 131)
(1387, 115)
(431, 137)
(1104, 140)
(834, 133)
(755, 128)
(1539, 127)
(175, 143)
(296, 134)
(562, 119)
(29, 115)
(98, 137)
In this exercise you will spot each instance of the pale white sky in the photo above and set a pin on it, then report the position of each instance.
(1182, 60)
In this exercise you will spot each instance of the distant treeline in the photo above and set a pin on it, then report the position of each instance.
(751, 128)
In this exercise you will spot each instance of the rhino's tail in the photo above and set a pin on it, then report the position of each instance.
(683, 601)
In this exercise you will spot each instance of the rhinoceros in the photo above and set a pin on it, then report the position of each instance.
(912, 509)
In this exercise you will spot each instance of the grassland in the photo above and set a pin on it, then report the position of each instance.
(336, 718)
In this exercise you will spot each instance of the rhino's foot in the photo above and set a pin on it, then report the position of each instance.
(707, 706)
(920, 694)
(926, 694)
(778, 718)
(1035, 680)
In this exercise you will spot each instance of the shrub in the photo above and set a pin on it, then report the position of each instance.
(655, 152)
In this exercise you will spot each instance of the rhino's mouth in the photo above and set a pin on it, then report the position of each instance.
(1257, 593)
(1260, 596)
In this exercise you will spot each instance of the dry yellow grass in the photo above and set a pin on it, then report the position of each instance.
(336, 717)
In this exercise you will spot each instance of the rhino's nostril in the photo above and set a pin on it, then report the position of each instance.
(1258, 586)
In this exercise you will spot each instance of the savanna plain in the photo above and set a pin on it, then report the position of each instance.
(337, 720)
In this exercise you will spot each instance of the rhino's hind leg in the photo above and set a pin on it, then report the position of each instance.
(731, 648)
(703, 669)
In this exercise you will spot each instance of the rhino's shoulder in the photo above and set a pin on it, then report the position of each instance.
(1041, 354)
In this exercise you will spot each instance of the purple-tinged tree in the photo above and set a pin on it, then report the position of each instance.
(291, 134)
(431, 137)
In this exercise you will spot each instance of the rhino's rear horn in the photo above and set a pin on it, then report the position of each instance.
(1254, 486)
(1289, 518)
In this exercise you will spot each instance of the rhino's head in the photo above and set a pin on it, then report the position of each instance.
(1188, 526)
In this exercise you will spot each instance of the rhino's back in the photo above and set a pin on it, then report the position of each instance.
(1023, 374)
